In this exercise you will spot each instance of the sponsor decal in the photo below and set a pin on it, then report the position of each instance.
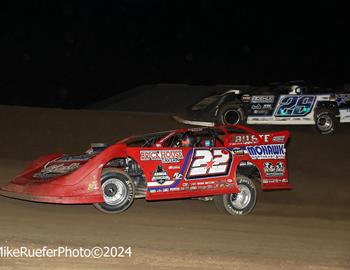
(166, 156)
(261, 108)
(249, 139)
(177, 176)
(262, 99)
(270, 151)
(245, 164)
(267, 106)
(160, 176)
(274, 181)
(83, 157)
(92, 186)
(56, 169)
(246, 98)
(279, 168)
(260, 111)
(269, 168)
(278, 138)
(274, 170)
(174, 167)
(206, 185)
(173, 182)
(256, 107)
(342, 99)
(238, 151)
(209, 163)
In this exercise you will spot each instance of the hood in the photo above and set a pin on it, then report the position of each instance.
(61, 166)
(58, 165)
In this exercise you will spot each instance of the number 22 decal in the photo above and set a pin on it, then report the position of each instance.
(209, 163)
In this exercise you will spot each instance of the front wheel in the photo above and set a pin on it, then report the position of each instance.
(325, 121)
(118, 191)
(241, 203)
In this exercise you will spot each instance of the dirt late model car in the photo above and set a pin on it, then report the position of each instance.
(219, 164)
(282, 105)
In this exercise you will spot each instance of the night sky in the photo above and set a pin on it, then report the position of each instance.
(72, 53)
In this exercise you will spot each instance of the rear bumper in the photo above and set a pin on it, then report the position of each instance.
(84, 199)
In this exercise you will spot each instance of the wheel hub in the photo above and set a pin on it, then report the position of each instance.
(232, 117)
(324, 122)
(114, 191)
(241, 199)
(110, 190)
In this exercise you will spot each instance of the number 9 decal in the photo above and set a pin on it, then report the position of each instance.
(209, 163)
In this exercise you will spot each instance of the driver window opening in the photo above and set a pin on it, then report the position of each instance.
(191, 139)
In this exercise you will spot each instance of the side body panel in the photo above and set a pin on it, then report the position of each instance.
(284, 109)
(186, 172)
(343, 103)
(199, 171)
(268, 153)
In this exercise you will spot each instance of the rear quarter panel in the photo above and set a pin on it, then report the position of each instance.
(266, 151)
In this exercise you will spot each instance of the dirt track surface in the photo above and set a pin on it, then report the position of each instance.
(306, 228)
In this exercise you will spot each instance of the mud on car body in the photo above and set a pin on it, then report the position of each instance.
(282, 105)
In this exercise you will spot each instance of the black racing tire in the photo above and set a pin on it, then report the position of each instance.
(325, 121)
(238, 204)
(118, 191)
(230, 113)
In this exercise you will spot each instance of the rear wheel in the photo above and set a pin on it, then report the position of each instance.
(241, 203)
(118, 191)
(230, 113)
(325, 121)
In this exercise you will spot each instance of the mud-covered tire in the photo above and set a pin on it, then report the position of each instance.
(238, 204)
(118, 191)
(230, 113)
(325, 121)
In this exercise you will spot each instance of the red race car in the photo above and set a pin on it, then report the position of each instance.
(219, 163)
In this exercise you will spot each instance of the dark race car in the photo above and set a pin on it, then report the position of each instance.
(222, 163)
(282, 105)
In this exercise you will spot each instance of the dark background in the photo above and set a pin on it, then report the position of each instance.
(72, 53)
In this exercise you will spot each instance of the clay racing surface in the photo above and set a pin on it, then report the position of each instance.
(306, 228)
